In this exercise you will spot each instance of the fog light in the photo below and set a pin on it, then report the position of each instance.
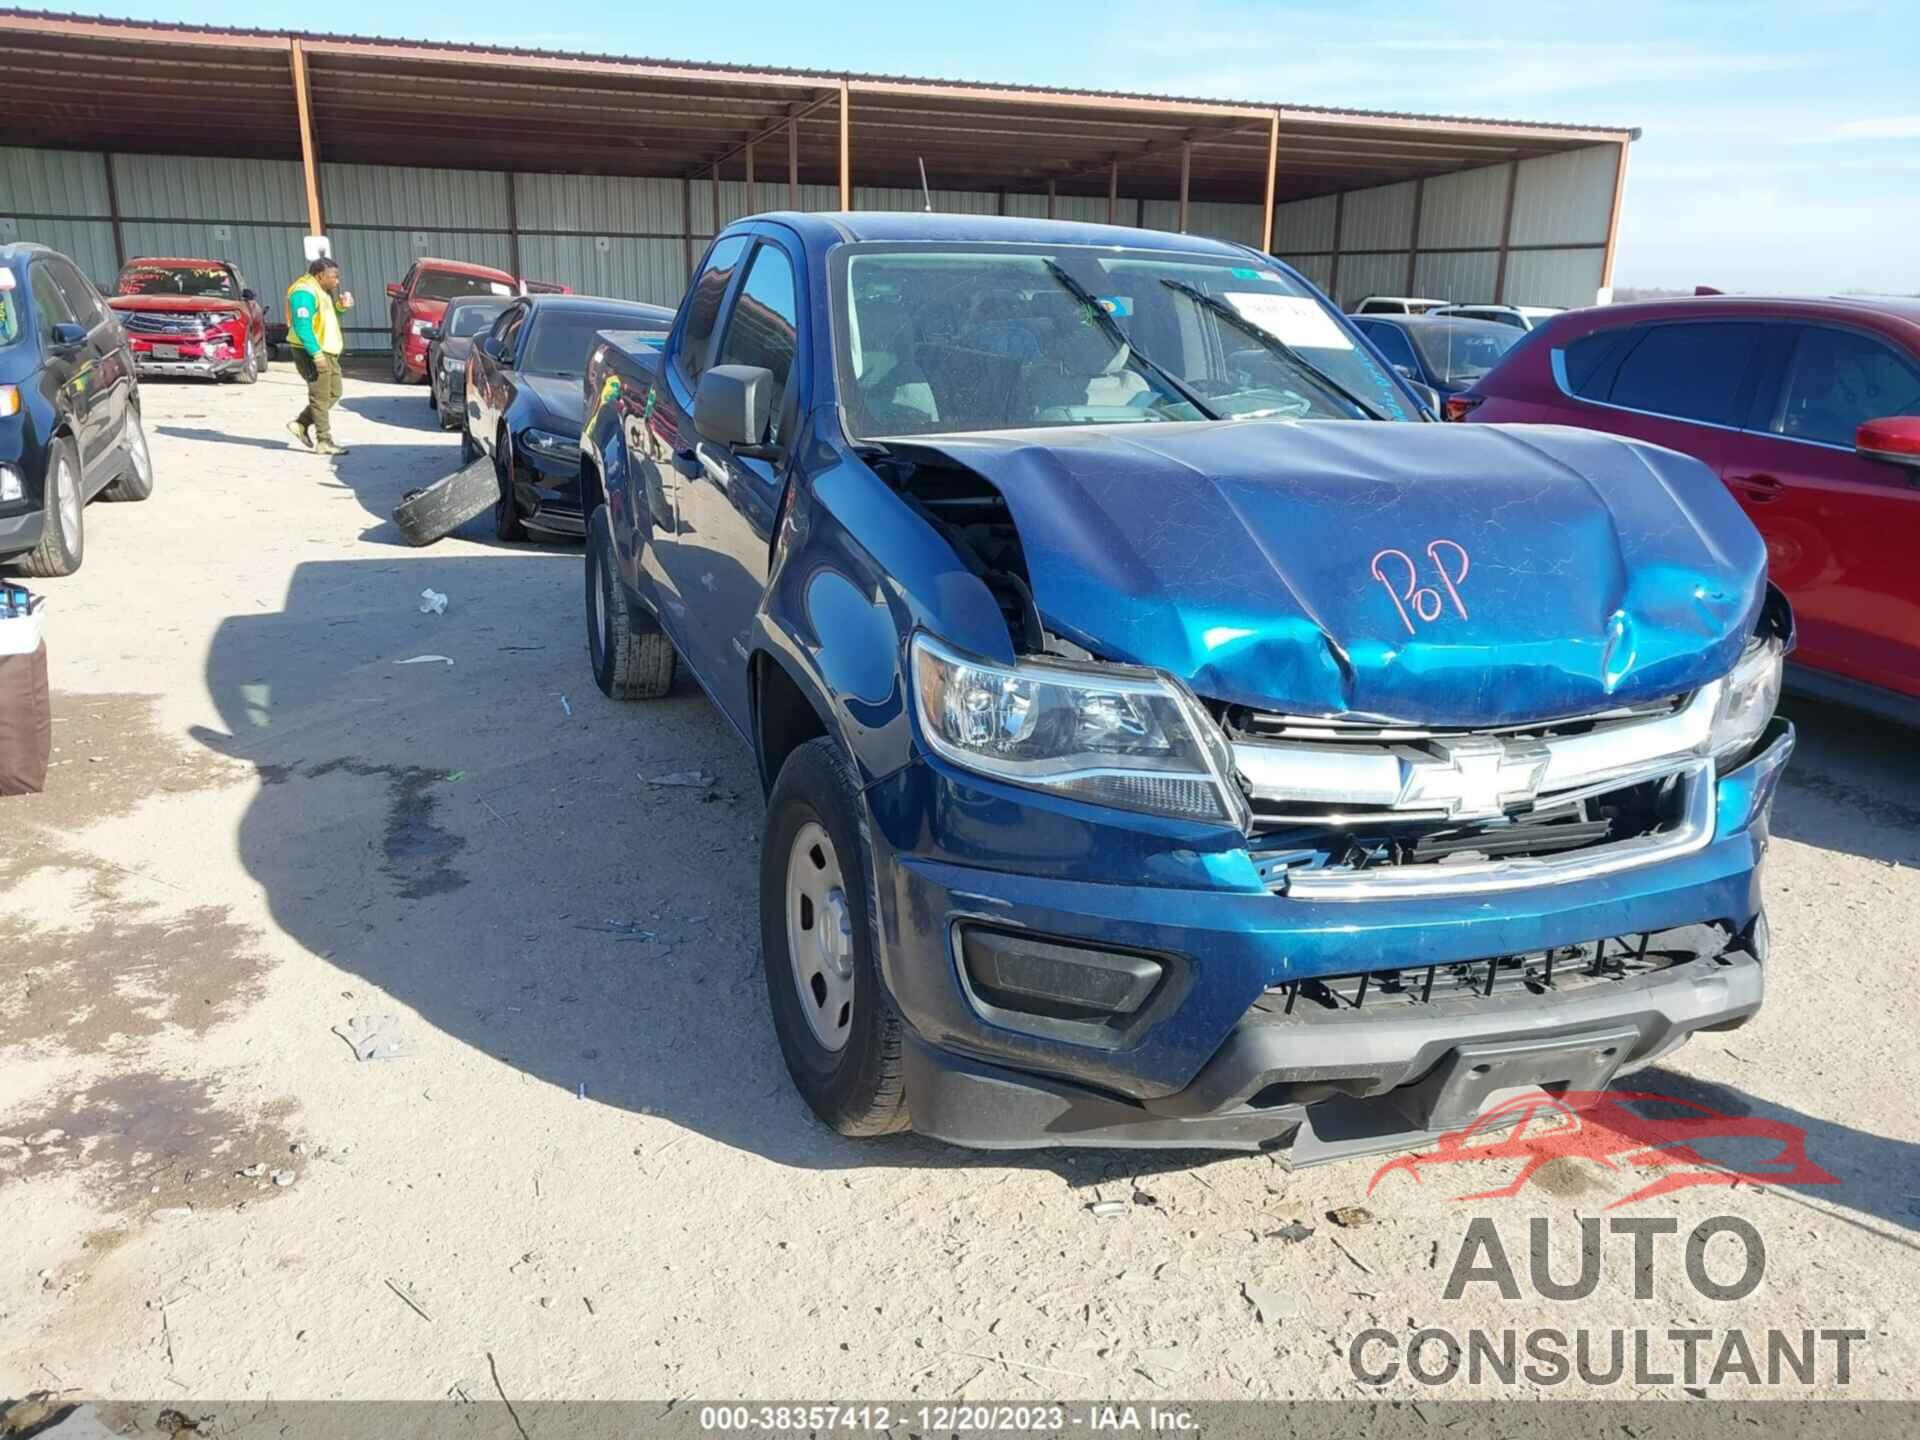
(10, 487)
(1061, 982)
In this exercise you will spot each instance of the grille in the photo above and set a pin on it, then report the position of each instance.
(141, 322)
(1541, 972)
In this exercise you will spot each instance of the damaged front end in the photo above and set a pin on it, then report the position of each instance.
(1338, 871)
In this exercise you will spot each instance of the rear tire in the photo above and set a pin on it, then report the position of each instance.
(816, 834)
(63, 542)
(136, 481)
(629, 663)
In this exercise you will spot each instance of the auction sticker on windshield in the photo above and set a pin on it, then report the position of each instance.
(1293, 319)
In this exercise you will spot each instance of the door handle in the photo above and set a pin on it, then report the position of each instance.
(1757, 488)
(716, 469)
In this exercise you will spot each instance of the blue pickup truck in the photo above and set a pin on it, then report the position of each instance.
(1170, 737)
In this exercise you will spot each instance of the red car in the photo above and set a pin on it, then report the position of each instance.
(419, 300)
(1809, 411)
(191, 317)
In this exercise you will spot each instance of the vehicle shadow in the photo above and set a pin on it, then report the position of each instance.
(1853, 785)
(477, 842)
(1874, 1175)
(223, 437)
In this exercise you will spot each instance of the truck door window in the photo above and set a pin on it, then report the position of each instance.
(1839, 380)
(763, 326)
(703, 307)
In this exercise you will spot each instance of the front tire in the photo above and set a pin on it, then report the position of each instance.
(506, 509)
(469, 452)
(399, 365)
(839, 1032)
(63, 541)
(628, 663)
(249, 370)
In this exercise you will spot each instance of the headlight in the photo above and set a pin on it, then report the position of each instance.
(1133, 739)
(420, 327)
(545, 442)
(1748, 699)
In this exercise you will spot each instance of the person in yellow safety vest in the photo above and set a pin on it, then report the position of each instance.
(313, 333)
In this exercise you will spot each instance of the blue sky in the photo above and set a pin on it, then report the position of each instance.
(1781, 146)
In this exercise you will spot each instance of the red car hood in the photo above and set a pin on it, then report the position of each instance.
(176, 303)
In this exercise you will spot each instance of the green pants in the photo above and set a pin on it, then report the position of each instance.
(323, 392)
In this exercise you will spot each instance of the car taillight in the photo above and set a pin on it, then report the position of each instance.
(1458, 407)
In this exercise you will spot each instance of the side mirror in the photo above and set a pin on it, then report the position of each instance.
(430, 334)
(731, 407)
(66, 335)
(249, 296)
(1894, 440)
(1428, 396)
(394, 292)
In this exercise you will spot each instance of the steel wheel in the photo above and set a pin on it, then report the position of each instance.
(820, 936)
(399, 366)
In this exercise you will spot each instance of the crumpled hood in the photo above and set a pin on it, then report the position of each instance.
(1446, 574)
(559, 398)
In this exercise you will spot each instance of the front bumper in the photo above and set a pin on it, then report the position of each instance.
(1215, 1069)
(22, 531)
(147, 366)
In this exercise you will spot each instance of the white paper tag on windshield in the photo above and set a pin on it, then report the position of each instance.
(1294, 319)
(498, 288)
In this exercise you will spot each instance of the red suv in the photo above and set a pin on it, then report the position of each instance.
(419, 300)
(191, 317)
(1809, 410)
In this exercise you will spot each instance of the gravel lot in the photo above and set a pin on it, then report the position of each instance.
(592, 1166)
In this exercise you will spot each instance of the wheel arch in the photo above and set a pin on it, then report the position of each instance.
(787, 713)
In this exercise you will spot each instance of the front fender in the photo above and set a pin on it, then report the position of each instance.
(855, 572)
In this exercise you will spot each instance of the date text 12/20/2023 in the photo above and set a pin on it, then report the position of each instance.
(818, 1419)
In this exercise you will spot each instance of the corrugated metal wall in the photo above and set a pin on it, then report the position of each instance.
(50, 182)
(1561, 209)
(615, 236)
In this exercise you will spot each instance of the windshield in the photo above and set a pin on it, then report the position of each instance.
(1459, 352)
(562, 338)
(177, 280)
(952, 338)
(471, 317)
(450, 284)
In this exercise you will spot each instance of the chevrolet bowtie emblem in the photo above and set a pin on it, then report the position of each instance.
(1473, 779)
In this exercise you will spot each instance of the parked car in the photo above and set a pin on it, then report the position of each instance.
(448, 341)
(417, 301)
(523, 404)
(1170, 739)
(191, 317)
(1521, 317)
(1808, 410)
(1395, 305)
(1441, 352)
(69, 410)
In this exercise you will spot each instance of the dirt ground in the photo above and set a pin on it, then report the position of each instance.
(591, 1166)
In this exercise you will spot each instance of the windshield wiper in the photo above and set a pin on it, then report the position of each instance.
(1279, 347)
(1106, 322)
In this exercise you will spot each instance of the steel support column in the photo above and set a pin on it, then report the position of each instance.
(1333, 270)
(1413, 239)
(1053, 197)
(753, 189)
(714, 176)
(686, 224)
(1273, 171)
(309, 147)
(793, 164)
(1506, 235)
(846, 147)
(1113, 193)
(1186, 177)
(1613, 219)
(113, 211)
